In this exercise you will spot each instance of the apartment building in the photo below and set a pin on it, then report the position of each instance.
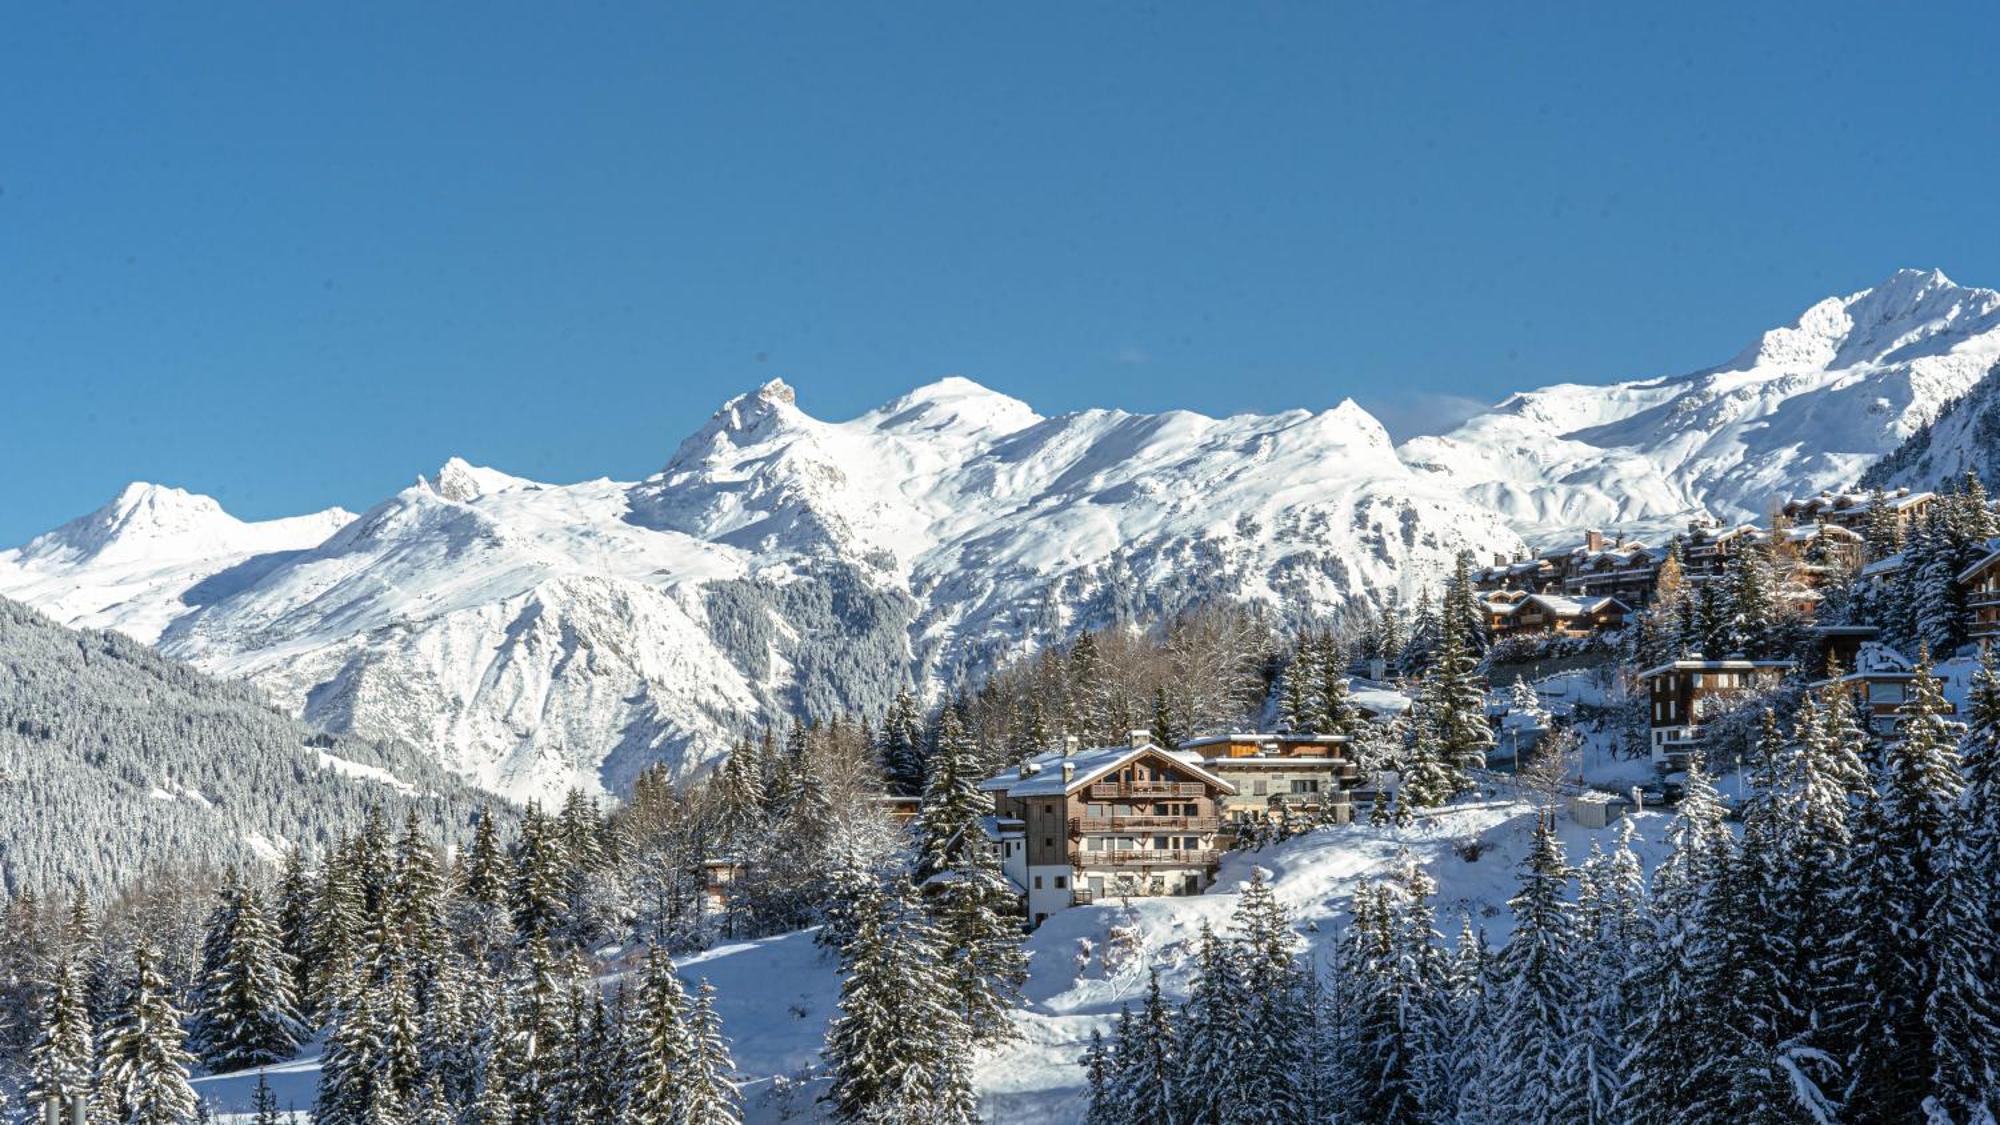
(1112, 821)
(1683, 693)
(1310, 774)
(1513, 611)
(1981, 583)
(1878, 678)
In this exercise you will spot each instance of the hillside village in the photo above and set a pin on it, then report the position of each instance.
(1810, 687)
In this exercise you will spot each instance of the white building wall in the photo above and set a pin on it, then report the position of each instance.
(1048, 889)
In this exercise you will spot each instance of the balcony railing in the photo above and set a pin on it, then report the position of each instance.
(1090, 825)
(1144, 857)
(1978, 598)
(1110, 789)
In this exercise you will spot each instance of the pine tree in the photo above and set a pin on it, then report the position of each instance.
(1614, 923)
(1536, 987)
(245, 1012)
(901, 748)
(263, 1103)
(897, 1049)
(1963, 1012)
(1100, 1094)
(60, 1062)
(1898, 886)
(663, 1045)
(1212, 1020)
(335, 935)
(1429, 778)
(953, 802)
(143, 1061)
(1272, 1048)
(978, 919)
(1672, 1036)
(540, 891)
(711, 1095)
(486, 877)
(1150, 1076)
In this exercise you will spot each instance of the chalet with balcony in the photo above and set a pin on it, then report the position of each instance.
(1981, 583)
(1684, 693)
(1599, 567)
(1114, 821)
(1879, 680)
(1852, 510)
(1510, 612)
(1309, 774)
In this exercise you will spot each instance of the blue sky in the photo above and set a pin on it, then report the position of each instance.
(294, 256)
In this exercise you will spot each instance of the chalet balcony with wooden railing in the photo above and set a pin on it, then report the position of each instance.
(1111, 790)
(1094, 825)
(1977, 599)
(1145, 857)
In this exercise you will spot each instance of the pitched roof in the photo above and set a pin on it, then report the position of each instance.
(1042, 775)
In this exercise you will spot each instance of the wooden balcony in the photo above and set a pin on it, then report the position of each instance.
(1111, 790)
(1976, 598)
(1092, 825)
(1144, 857)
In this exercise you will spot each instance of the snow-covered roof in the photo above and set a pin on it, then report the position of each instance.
(1969, 573)
(1043, 775)
(1736, 665)
(1877, 662)
(1557, 605)
(998, 828)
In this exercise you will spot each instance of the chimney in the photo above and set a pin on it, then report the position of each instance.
(1069, 772)
(1593, 541)
(1070, 746)
(1499, 558)
(1139, 739)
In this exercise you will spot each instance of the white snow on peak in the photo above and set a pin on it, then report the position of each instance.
(127, 565)
(459, 479)
(1807, 406)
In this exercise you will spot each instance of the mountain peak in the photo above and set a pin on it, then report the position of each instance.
(141, 517)
(953, 403)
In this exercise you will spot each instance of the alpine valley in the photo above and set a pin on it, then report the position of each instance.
(541, 636)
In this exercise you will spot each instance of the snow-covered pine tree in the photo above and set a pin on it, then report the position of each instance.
(978, 919)
(1536, 988)
(1429, 778)
(953, 802)
(1099, 1066)
(901, 746)
(1297, 707)
(897, 1051)
(1150, 1077)
(143, 1060)
(663, 1046)
(1963, 1011)
(543, 994)
(245, 1012)
(712, 1097)
(1271, 1055)
(1211, 1022)
(334, 935)
(486, 876)
(540, 890)
(1611, 904)
(1455, 698)
(1672, 1037)
(61, 1059)
(1376, 1076)
(1897, 884)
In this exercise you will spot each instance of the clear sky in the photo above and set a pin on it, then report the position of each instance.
(293, 255)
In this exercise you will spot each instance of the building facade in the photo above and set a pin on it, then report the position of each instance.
(1684, 693)
(1109, 822)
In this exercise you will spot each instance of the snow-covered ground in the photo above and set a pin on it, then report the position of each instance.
(775, 996)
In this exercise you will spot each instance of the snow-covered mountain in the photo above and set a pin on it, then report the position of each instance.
(115, 760)
(535, 636)
(1805, 407)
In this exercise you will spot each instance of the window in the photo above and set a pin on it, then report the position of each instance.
(1093, 843)
(1259, 788)
(1161, 809)
(1160, 843)
(1126, 843)
(1047, 843)
(1038, 882)
(1062, 882)
(1097, 810)
(1305, 785)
